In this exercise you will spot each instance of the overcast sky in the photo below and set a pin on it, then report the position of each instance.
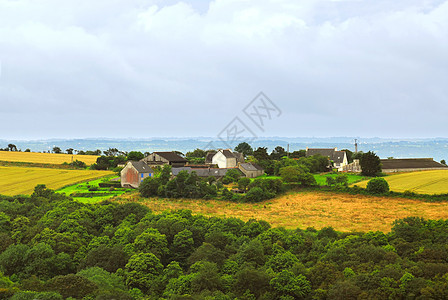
(120, 68)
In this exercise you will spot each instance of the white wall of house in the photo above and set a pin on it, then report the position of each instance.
(220, 160)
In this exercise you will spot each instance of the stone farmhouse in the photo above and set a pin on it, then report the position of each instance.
(225, 158)
(165, 158)
(339, 158)
(135, 172)
(251, 170)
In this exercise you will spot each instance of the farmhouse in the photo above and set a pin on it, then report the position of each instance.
(134, 172)
(251, 170)
(410, 164)
(165, 158)
(225, 158)
(339, 158)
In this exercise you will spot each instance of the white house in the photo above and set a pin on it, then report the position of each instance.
(226, 158)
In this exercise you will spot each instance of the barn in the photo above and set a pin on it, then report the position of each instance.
(134, 173)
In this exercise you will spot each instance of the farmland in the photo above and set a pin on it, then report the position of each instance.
(316, 209)
(424, 182)
(44, 158)
(19, 180)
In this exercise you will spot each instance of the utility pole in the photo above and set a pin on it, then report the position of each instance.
(356, 146)
(287, 151)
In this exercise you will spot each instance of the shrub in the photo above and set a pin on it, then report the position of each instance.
(255, 194)
(377, 186)
(93, 189)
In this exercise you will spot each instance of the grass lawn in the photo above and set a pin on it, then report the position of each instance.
(352, 178)
(93, 196)
(316, 209)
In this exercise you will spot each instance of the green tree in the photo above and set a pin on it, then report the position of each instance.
(244, 148)
(152, 241)
(57, 150)
(377, 186)
(71, 285)
(286, 283)
(69, 151)
(143, 271)
(370, 164)
(135, 155)
(243, 183)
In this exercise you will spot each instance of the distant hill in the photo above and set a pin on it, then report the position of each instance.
(436, 148)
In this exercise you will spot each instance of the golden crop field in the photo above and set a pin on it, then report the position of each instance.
(45, 158)
(422, 182)
(20, 180)
(344, 212)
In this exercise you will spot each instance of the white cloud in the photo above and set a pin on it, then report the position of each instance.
(356, 67)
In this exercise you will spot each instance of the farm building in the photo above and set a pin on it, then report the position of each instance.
(410, 164)
(134, 172)
(339, 158)
(165, 158)
(251, 170)
(206, 172)
(225, 158)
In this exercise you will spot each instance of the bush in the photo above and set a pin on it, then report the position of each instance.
(115, 184)
(93, 189)
(255, 194)
(377, 186)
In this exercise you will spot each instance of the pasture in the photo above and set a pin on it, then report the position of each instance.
(316, 209)
(45, 158)
(18, 180)
(422, 182)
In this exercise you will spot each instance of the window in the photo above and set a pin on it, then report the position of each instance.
(142, 175)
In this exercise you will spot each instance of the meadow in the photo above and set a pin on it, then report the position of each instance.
(423, 182)
(45, 158)
(316, 209)
(83, 192)
(19, 180)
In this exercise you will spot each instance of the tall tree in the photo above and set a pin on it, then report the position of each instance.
(370, 164)
(244, 148)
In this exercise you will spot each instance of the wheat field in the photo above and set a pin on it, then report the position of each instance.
(422, 182)
(316, 209)
(45, 158)
(21, 181)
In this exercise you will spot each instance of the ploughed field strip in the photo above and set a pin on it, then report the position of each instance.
(18, 180)
(45, 158)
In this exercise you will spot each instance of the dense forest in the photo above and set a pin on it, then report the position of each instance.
(52, 247)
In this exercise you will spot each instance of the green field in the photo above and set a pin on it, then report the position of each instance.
(423, 182)
(21, 180)
(321, 179)
(81, 192)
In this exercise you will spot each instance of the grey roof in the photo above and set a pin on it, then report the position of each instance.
(175, 171)
(141, 167)
(335, 156)
(171, 156)
(411, 163)
(227, 153)
(251, 167)
(209, 157)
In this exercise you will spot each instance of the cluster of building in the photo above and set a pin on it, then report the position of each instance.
(216, 164)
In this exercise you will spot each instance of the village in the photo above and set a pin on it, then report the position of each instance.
(218, 162)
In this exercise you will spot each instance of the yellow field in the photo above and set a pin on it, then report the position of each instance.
(18, 180)
(423, 182)
(343, 212)
(45, 158)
